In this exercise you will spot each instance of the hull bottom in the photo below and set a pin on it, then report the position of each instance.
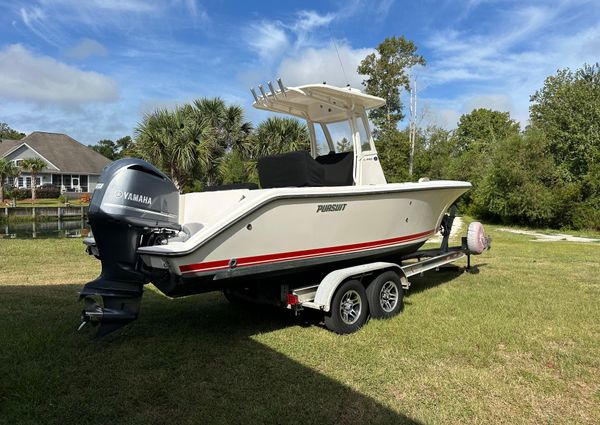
(292, 273)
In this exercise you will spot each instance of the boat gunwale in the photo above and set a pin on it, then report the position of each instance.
(278, 194)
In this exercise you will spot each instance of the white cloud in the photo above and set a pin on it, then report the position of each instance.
(25, 77)
(502, 68)
(267, 39)
(196, 11)
(35, 20)
(313, 65)
(302, 51)
(112, 5)
(498, 102)
(86, 48)
(309, 20)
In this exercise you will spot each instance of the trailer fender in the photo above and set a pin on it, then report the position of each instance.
(333, 280)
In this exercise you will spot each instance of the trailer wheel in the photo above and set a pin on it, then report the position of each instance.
(349, 308)
(385, 295)
(234, 298)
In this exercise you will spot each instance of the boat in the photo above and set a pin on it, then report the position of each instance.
(314, 212)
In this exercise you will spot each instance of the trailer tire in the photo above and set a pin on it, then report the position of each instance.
(349, 308)
(234, 298)
(385, 295)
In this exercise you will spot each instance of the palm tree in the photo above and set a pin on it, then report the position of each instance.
(7, 170)
(277, 135)
(228, 129)
(175, 142)
(34, 166)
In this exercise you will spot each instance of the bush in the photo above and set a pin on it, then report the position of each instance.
(47, 192)
(44, 192)
(21, 193)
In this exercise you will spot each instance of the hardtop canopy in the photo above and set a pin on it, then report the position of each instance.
(321, 103)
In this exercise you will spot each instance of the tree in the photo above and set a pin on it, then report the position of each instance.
(480, 129)
(106, 148)
(227, 127)
(343, 145)
(191, 142)
(8, 133)
(393, 151)
(174, 142)
(474, 142)
(7, 171)
(567, 110)
(34, 166)
(125, 147)
(520, 183)
(387, 72)
(121, 148)
(277, 135)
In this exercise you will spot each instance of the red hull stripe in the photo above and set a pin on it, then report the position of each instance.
(296, 255)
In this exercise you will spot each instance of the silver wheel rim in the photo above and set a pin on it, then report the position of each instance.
(350, 307)
(388, 296)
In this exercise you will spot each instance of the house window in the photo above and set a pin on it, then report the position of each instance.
(20, 182)
(18, 162)
(84, 183)
(75, 182)
(28, 182)
(38, 181)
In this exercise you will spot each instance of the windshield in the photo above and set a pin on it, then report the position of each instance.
(341, 136)
(337, 137)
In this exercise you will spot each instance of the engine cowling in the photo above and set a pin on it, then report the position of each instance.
(132, 199)
(135, 192)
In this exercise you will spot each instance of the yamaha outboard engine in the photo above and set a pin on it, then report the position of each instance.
(132, 204)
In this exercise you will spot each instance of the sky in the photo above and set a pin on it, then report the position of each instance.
(93, 68)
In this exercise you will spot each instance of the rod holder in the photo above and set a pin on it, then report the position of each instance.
(281, 86)
(270, 84)
(262, 91)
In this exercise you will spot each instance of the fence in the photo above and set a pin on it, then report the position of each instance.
(33, 212)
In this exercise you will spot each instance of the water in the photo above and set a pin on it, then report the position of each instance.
(43, 230)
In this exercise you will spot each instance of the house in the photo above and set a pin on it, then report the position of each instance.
(71, 166)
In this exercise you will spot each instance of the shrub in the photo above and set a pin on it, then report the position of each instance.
(47, 192)
(21, 193)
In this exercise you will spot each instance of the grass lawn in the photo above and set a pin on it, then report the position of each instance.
(518, 341)
(48, 203)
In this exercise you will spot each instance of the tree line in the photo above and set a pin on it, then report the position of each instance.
(546, 174)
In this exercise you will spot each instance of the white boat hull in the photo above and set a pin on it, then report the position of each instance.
(282, 229)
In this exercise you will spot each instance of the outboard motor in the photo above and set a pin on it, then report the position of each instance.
(133, 204)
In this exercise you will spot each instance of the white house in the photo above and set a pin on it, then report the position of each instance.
(71, 166)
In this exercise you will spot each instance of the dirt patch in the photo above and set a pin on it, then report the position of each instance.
(555, 237)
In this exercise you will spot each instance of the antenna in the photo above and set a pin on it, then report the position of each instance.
(339, 58)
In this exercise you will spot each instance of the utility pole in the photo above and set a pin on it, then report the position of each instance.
(412, 128)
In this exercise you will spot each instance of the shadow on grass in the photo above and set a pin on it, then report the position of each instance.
(446, 274)
(186, 361)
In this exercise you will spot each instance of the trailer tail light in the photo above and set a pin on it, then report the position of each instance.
(292, 299)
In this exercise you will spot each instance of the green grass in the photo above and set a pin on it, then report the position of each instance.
(518, 341)
(48, 203)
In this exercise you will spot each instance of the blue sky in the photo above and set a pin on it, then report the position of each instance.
(92, 68)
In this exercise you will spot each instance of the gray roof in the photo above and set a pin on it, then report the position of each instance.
(64, 152)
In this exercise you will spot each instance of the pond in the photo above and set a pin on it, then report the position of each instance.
(44, 230)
